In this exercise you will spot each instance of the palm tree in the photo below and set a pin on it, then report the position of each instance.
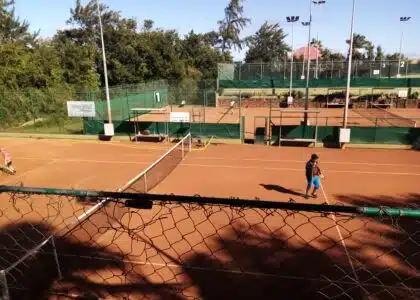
(232, 25)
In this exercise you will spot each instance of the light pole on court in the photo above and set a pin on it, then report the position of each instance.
(349, 62)
(108, 128)
(292, 20)
(317, 3)
(308, 55)
(402, 20)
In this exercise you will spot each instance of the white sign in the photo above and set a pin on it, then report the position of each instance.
(109, 129)
(402, 93)
(344, 135)
(179, 117)
(81, 109)
(376, 72)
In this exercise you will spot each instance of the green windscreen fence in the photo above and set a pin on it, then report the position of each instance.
(359, 135)
(321, 83)
(219, 130)
(120, 107)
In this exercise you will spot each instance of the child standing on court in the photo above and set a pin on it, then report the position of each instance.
(7, 160)
(313, 174)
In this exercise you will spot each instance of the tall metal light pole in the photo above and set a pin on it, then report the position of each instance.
(317, 3)
(292, 19)
(402, 20)
(308, 52)
(306, 24)
(346, 108)
(108, 101)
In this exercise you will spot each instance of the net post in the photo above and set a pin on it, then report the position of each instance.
(56, 258)
(145, 182)
(5, 290)
(182, 149)
(190, 143)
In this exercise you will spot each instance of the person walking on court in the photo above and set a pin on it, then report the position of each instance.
(7, 161)
(313, 175)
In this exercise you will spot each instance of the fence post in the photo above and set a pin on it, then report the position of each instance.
(5, 290)
(145, 182)
(56, 258)
(182, 147)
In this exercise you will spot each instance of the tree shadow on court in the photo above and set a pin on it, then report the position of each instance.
(281, 189)
(254, 254)
(88, 270)
(287, 267)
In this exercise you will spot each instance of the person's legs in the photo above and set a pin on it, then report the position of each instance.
(308, 187)
(317, 185)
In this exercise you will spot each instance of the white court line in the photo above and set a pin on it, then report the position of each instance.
(341, 236)
(76, 160)
(14, 177)
(294, 169)
(302, 161)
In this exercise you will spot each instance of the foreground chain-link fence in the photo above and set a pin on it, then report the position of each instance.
(138, 246)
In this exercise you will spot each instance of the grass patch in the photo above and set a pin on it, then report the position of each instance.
(68, 126)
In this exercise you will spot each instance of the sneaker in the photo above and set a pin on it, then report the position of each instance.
(315, 196)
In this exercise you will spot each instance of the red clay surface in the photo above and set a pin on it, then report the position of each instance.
(255, 117)
(179, 251)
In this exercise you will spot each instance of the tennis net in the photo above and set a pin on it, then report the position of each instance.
(160, 169)
(383, 116)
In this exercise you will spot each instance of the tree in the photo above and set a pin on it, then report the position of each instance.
(394, 56)
(11, 28)
(362, 47)
(232, 25)
(379, 54)
(267, 44)
(147, 25)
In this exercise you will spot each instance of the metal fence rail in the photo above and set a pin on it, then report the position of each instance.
(322, 70)
(143, 246)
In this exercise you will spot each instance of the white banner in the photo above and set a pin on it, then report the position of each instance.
(81, 109)
(402, 93)
(179, 117)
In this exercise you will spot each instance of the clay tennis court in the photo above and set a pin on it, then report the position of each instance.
(192, 251)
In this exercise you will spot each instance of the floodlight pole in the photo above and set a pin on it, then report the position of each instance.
(402, 20)
(292, 19)
(308, 53)
(349, 61)
(317, 3)
(108, 101)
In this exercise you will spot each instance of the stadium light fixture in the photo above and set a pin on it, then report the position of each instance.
(108, 128)
(349, 61)
(317, 3)
(402, 20)
(292, 20)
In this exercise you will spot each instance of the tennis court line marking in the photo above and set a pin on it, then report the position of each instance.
(340, 235)
(14, 178)
(301, 161)
(294, 169)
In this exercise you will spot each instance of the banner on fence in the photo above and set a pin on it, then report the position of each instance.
(180, 117)
(81, 109)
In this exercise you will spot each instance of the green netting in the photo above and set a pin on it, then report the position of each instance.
(321, 83)
(219, 130)
(359, 135)
(324, 70)
(226, 71)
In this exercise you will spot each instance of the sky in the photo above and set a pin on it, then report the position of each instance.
(378, 20)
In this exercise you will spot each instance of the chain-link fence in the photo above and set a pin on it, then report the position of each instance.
(320, 70)
(136, 246)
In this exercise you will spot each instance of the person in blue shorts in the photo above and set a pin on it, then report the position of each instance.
(313, 175)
